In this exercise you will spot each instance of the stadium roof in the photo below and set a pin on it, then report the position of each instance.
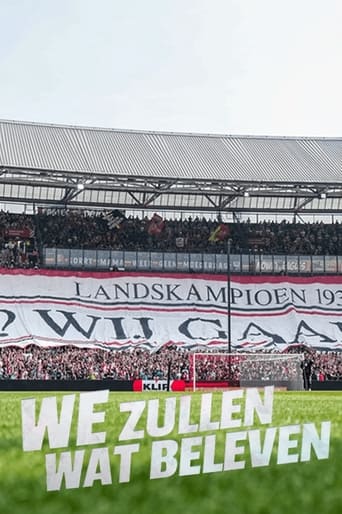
(96, 167)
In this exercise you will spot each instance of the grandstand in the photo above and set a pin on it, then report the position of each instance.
(138, 204)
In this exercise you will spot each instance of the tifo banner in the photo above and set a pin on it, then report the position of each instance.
(125, 310)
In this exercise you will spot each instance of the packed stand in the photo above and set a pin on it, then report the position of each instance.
(17, 241)
(22, 235)
(77, 229)
(73, 363)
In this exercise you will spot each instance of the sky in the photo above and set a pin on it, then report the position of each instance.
(239, 67)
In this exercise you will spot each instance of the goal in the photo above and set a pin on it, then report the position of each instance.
(247, 370)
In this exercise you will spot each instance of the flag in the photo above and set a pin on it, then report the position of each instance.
(220, 233)
(24, 233)
(155, 225)
(114, 218)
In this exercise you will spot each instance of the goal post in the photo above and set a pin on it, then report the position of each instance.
(247, 369)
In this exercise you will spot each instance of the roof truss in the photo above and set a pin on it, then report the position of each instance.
(69, 189)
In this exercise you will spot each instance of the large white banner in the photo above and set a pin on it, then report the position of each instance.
(124, 310)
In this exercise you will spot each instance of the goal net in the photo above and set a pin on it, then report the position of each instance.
(247, 369)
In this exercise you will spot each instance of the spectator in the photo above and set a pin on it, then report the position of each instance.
(21, 236)
(73, 363)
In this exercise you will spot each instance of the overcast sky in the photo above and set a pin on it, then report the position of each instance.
(269, 67)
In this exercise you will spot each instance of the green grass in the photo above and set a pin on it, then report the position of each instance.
(305, 488)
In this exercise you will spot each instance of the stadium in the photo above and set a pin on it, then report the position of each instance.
(151, 263)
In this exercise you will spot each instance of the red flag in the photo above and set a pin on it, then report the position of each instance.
(156, 225)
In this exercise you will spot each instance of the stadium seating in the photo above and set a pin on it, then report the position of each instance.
(68, 362)
(21, 236)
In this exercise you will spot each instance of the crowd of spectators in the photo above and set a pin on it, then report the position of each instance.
(17, 241)
(73, 363)
(86, 230)
(22, 235)
(325, 366)
(90, 230)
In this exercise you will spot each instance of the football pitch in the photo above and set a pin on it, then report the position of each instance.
(308, 486)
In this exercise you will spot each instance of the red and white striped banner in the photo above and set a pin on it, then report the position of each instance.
(125, 310)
